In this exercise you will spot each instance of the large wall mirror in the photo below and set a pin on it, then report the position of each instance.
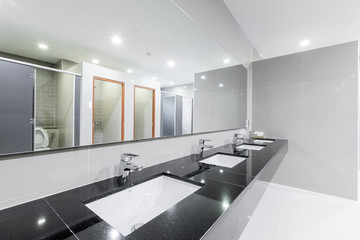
(69, 79)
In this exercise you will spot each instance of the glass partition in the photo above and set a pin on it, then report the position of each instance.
(144, 113)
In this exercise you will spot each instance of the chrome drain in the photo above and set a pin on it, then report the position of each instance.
(136, 227)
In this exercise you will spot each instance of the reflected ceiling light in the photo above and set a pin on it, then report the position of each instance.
(132, 81)
(114, 234)
(95, 61)
(171, 83)
(202, 181)
(41, 221)
(195, 89)
(226, 61)
(129, 70)
(171, 63)
(221, 85)
(304, 43)
(116, 40)
(203, 77)
(221, 171)
(184, 87)
(167, 171)
(43, 46)
(154, 78)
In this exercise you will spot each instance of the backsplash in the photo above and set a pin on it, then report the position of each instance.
(33, 176)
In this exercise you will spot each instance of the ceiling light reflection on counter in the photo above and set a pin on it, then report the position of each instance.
(41, 221)
(221, 85)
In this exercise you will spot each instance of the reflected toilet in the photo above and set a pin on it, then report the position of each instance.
(41, 139)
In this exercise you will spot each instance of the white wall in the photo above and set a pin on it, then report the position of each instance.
(30, 177)
(186, 90)
(91, 70)
(311, 98)
(215, 17)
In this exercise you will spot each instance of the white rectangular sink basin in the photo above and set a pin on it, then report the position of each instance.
(260, 141)
(141, 203)
(250, 147)
(223, 160)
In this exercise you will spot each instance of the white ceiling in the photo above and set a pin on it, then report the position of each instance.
(81, 30)
(276, 27)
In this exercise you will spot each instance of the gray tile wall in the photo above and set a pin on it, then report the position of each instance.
(45, 98)
(219, 108)
(98, 114)
(311, 98)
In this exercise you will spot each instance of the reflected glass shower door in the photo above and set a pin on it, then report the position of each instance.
(108, 111)
(144, 112)
(168, 114)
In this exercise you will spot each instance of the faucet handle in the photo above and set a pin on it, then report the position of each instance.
(127, 157)
(202, 141)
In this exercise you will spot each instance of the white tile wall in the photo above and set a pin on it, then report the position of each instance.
(30, 177)
(311, 98)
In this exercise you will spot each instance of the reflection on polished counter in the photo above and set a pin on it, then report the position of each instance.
(64, 215)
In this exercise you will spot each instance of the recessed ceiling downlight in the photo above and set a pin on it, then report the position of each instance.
(171, 63)
(116, 40)
(226, 61)
(304, 43)
(129, 71)
(95, 61)
(43, 46)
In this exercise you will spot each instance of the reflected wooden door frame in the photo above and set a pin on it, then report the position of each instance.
(122, 104)
(153, 109)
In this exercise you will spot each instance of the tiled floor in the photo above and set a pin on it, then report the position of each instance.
(288, 213)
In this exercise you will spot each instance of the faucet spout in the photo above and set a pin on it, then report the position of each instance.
(202, 145)
(126, 166)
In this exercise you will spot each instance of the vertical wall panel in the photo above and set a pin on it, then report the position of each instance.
(311, 98)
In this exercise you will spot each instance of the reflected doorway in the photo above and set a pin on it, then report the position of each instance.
(108, 111)
(144, 112)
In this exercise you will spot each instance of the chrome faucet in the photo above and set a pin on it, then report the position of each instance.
(238, 136)
(126, 166)
(202, 145)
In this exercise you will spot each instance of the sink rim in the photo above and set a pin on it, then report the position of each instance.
(251, 144)
(101, 210)
(242, 158)
(135, 183)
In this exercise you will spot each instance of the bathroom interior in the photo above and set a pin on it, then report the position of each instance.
(179, 120)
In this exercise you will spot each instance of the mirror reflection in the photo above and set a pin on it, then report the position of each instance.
(68, 82)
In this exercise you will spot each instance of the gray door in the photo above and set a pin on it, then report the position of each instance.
(16, 107)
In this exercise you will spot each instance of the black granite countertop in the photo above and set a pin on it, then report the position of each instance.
(65, 216)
